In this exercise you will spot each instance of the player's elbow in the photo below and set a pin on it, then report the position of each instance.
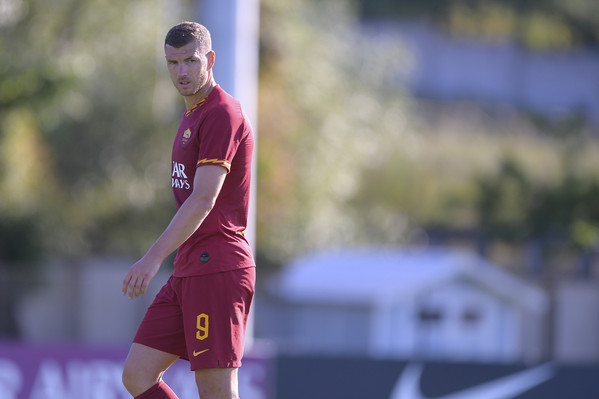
(203, 204)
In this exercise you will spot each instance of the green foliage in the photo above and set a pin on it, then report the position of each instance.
(87, 115)
(346, 159)
(19, 240)
(515, 207)
(329, 108)
(503, 202)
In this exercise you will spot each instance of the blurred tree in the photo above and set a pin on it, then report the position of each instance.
(83, 98)
(87, 116)
(329, 107)
(515, 207)
(28, 79)
(346, 159)
(504, 202)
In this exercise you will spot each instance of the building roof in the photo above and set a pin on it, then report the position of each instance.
(380, 274)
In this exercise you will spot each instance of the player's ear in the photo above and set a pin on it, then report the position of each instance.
(211, 58)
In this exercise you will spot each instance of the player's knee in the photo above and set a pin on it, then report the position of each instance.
(128, 377)
(213, 385)
(207, 392)
(134, 381)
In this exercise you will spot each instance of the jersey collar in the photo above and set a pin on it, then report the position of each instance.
(198, 105)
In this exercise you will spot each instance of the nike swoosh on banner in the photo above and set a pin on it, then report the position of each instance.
(408, 384)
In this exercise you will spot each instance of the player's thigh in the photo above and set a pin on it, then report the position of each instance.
(145, 365)
(217, 383)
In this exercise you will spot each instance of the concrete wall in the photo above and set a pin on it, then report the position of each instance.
(576, 322)
(82, 301)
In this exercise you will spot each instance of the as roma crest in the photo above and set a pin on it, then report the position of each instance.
(186, 136)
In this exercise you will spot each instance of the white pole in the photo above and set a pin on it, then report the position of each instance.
(234, 25)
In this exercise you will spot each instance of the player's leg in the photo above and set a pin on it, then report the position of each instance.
(144, 368)
(216, 311)
(160, 340)
(217, 383)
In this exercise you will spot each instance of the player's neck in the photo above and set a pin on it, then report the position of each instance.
(191, 101)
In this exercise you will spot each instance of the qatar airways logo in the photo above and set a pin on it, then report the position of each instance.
(178, 177)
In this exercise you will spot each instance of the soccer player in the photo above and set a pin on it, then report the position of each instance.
(201, 312)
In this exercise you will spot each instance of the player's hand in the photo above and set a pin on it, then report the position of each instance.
(139, 276)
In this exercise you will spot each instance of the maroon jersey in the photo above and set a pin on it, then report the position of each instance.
(215, 132)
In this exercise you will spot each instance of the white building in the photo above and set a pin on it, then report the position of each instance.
(434, 303)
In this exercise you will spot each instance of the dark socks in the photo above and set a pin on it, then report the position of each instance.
(158, 391)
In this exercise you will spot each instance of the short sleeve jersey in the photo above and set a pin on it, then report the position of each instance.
(215, 132)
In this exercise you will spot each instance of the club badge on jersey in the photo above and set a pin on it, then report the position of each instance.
(186, 136)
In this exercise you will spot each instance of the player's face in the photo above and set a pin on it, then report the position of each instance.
(190, 69)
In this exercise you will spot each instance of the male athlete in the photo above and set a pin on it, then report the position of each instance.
(201, 312)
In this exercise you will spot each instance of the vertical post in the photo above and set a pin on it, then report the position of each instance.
(234, 25)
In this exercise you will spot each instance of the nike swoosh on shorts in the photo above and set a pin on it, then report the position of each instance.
(199, 352)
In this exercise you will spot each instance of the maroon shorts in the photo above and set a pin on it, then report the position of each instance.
(201, 318)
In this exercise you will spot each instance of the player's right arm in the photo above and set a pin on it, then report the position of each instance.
(208, 182)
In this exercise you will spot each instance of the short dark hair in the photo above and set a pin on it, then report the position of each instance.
(186, 32)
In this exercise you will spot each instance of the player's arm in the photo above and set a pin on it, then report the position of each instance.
(207, 184)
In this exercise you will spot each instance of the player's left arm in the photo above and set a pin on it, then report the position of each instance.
(207, 184)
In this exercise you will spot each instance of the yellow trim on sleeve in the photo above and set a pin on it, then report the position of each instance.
(222, 162)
